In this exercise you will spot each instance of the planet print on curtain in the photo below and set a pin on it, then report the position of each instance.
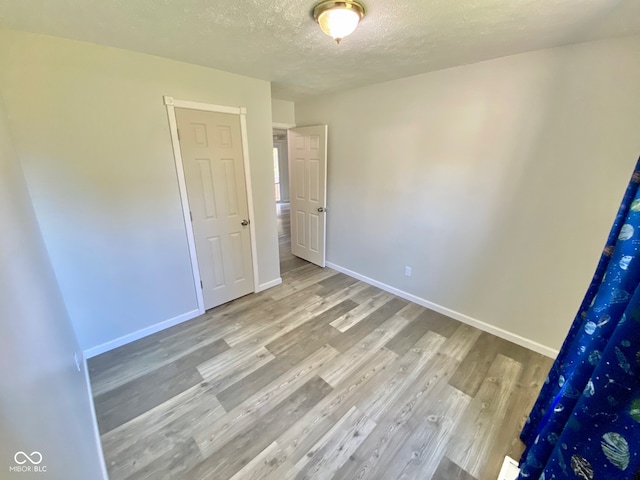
(586, 422)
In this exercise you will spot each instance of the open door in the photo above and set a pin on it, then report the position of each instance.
(308, 192)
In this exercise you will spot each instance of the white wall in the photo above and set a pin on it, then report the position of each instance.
(496, 182)
(44, 400)
(93, 138)
(283, 111)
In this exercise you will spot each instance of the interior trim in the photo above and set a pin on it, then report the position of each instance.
(96, 429)
(267, 285)
(132, 337)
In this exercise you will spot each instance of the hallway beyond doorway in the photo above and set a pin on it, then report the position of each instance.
(288, 261)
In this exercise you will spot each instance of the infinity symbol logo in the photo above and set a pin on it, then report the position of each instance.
(35, 458)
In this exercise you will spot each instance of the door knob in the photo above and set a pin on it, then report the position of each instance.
(322, 209)
(244, 223)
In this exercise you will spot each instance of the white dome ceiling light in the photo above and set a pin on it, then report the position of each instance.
(338, 18)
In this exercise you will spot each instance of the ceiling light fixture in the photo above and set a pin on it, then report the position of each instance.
(338, 18)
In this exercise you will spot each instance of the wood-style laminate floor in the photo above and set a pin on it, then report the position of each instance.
(321, 377)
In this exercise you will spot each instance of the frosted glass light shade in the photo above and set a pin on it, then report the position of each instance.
(338, 19)
(338, 22)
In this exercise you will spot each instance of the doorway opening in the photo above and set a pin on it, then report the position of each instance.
(288, 261)
(281, 165)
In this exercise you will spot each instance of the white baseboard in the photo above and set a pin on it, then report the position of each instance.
(96, 430)
(267, 285)
(132, 337)
(118, 342)
(498, 332)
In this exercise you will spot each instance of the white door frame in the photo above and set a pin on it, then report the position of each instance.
(283, 126)
(171, 104)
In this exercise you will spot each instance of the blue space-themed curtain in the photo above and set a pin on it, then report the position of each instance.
(586, 422)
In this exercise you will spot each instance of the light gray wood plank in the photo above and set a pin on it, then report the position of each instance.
(264, 464)
(299, 311)
(286, 345)
(383, 449)
(233, 365)
(349, 319)
(402, 342)
(313, 339)
(288, 288)
(367, 325)
(507, 442)
(353, 359)
(239, 449)
(163, 428)
(211, 438)
(438, 323)
(411, 311)
(352, 292)
(255, 323)
(172, 465)
(334, 284)
(473, 368)
(291, 264)
(127, 401)
(470, 446)
(433, 425)
(254, 318)
(301, 437)
(376, 400)
(273, 329)
(471, 372)
(132, 361)
(333, 450)
(308, 332)
(458, 345)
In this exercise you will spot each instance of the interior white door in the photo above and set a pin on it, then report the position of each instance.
(308, 192)
(211, 148)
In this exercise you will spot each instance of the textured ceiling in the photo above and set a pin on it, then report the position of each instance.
(277, 40)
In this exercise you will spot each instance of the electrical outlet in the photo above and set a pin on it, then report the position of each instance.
(407, 271)
(77, 360)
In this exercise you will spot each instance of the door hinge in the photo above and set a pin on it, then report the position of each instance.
(201, 286)
(178, 130)
(191, 216)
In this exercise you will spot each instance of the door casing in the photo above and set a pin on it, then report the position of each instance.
(171, 104)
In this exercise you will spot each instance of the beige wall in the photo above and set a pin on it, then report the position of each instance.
(282, 111)
(44, 400)
(92, 135)
(496, 182)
